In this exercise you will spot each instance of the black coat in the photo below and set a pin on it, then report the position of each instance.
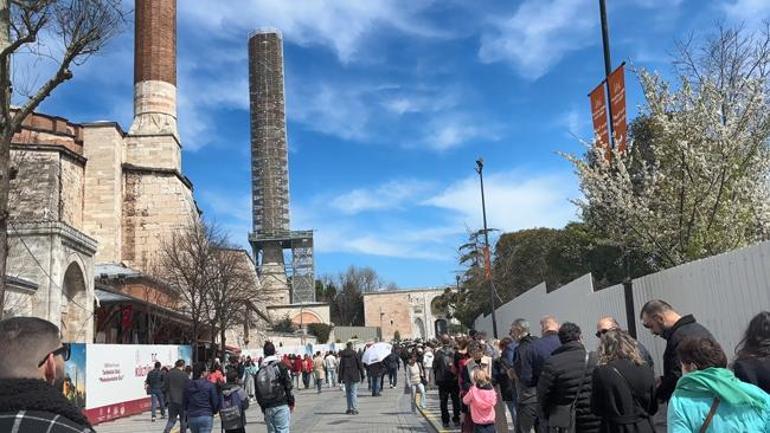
(560, 380)
(500, 377)
(351, 369)
(684, 328)
(754, 370)
(624, 405)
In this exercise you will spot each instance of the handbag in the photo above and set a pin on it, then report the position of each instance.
(562, 417)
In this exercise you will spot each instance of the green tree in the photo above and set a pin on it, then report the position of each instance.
(321, 331)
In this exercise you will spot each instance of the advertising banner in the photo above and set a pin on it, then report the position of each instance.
(599, 115)
(617, 85)
(75, 375)
(117, 372)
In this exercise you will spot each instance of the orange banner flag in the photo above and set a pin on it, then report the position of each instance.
(617, 84)
(599, 115)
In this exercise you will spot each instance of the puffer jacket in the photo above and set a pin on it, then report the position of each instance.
(560, 380)
(351, 369)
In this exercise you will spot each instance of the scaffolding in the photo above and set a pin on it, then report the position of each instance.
(271, 237)
(300, 266)
(269, 152)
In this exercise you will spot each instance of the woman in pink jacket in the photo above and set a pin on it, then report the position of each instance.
(481, 400)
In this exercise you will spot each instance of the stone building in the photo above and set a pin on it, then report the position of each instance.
(410, 312)
(92, 203)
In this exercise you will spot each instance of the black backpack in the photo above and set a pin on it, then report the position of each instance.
(442, 366)
(230, 413)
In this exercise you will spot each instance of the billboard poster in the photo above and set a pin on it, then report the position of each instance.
(617, 89)
(117, 372)
(75, 375)
(599, 115)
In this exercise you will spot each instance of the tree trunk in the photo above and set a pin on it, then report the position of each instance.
(222, 342)
(5, 145)
(194, 342)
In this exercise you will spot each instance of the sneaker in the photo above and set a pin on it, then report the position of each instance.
(153, 419)
(355, 412)
(348, 412)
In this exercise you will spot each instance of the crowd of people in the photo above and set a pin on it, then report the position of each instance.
(546, 383)
(552, 383)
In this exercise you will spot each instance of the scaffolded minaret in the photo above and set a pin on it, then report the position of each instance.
(292, 282)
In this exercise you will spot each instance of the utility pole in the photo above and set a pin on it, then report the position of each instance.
(487, 264)
(628, 289)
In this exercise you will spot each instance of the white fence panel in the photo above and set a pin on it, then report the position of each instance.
(723, 292)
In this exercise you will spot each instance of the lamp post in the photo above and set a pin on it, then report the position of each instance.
(487, 265)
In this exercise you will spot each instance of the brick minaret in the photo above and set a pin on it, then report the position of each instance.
(155, 68)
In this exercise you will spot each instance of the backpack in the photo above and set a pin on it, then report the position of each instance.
(268, 383)
(230, 413)
(443, 366)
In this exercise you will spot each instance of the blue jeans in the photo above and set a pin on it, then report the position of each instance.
(418, 388)
(157, 400)
(351, 394)
(201, 424)
(278, 419)
(376, 382)
(512, 408)
(393, 376)
(331, 378)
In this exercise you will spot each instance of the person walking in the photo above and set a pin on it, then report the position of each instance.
(376, 373)
(351, 372)
(296, 368)
(752, 362)
(153, 384)
(216, 377)
(427, 364)
(201, 401)
(391, 365)
(32, 373)
(526, 389)
(273, 386)
(564, 386)
(414, 380)
(608, 323)
(174, 386)
(331, 369)
(249, 372)
(709, 398)
(235, 401)
(446, 381)
(307, 370)
(623, 386)
(481, 399)
(318, 370)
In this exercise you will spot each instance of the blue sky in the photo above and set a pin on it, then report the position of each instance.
(389, 103)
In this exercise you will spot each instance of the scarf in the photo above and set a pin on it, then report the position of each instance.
(722, 383)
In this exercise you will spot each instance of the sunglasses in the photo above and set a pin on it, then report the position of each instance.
(602, 332)
(64, 351)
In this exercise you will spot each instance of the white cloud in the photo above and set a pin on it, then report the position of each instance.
(341, 26)
(390, 195)
(539, 35)
(514, 200)
(331, 108)
(452, 130)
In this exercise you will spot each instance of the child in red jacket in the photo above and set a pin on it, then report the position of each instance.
(481, 400)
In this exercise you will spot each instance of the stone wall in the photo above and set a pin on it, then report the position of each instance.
(155, 204)
(103, 186)
(390, 312)
(34, 194)
(155, 151)
(72, 196)
(319, 311)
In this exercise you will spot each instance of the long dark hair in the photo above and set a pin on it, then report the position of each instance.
(756, 340)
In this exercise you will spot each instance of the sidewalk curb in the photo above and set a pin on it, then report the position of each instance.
(434, 423)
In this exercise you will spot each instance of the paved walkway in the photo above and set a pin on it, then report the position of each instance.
(432, 413)
(315, 413)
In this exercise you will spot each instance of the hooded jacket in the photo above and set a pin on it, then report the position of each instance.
(685, 327)
(743, 407)
(38, 408)
(351, 369)
(481, 401)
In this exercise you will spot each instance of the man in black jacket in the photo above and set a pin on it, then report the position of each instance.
(31, 379)
(351, 372)
(154, 386)
(446, 381)
(566, 378)
(173, 386)
(274, 396)
(526, 405)
(662, 320)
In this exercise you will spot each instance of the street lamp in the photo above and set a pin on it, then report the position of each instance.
(487, 265)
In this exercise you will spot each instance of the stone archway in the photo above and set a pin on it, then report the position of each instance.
(74, 307)
(420, 327)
